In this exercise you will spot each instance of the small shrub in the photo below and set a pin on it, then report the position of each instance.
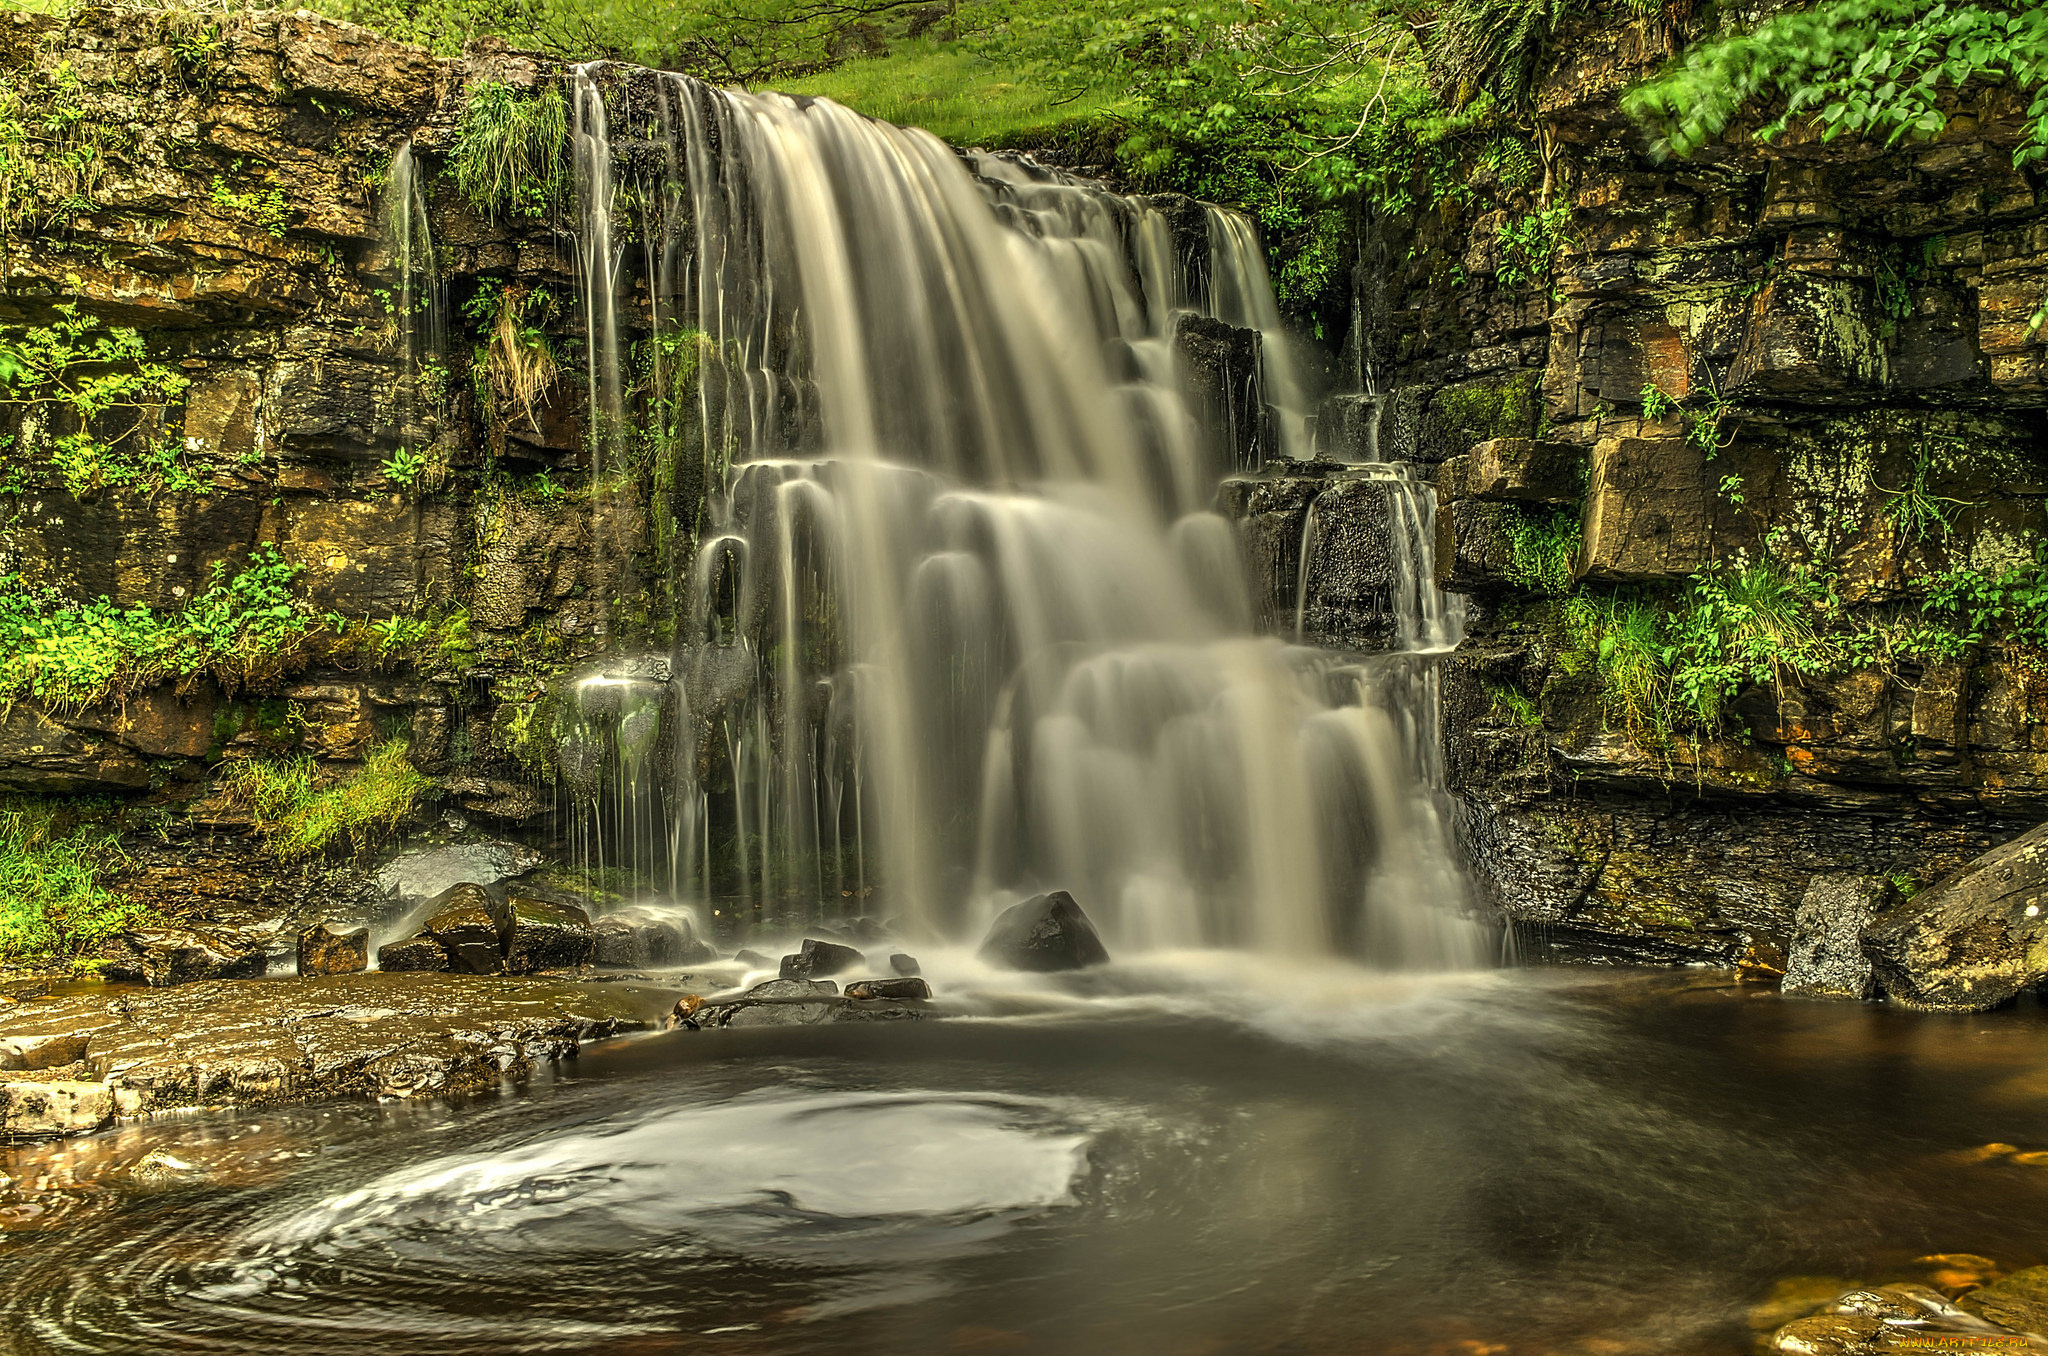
(100, 383)
(1756, 624)
(242, 631)
(1625, 637)
(404, 467)
(1512, 706)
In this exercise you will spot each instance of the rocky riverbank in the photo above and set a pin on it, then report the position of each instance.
(448, 1014)
(95, 1053)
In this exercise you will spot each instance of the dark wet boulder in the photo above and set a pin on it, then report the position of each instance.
(639, 936)
(164, 956)
(755, 959)
(41, 1051)
(903, 964)
(414, 953)
(328, 950)
(546, 936)
(1827, 959)
(815, 958)
(473, 927)
(1047, 932)
(1973, 942)
(889, 988)
(753, 1012)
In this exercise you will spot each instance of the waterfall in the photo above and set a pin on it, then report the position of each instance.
(1242, 294)
(964, 625)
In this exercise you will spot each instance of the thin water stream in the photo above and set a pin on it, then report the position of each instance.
(1200, 1153)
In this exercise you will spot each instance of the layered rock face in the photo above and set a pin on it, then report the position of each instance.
(1815, 354)
(235, 213)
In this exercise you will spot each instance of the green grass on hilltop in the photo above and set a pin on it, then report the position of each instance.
(951, 92)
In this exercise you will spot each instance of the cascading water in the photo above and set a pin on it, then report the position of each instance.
(1241, 293)
(962, 625)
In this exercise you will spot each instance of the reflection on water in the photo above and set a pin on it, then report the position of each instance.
(1192, 1156)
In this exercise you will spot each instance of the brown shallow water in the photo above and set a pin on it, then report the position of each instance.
(1187, 1158)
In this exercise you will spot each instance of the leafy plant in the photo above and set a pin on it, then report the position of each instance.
(1919, 514)
(1979, 606)
(1542, 549)
(1529, 244)
(1865, 67)
(404, 466)
(1738, 626)
(509, 147)
(101, 389)
(1704, 422)
(268, 209)
(242, 631)
(1625, 637)
(1512, 706)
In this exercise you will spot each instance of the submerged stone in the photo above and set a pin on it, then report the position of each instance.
(792, 988)
(327, 950)
(54, 1109)
(41, 1052)
(1975, 941)
(1829, 1335)
(1045, 933)
(820, 958)
(252, 1042)
(2020, 1301)
(1827, 959)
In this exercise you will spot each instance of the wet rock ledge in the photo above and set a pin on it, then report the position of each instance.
(71, 1063)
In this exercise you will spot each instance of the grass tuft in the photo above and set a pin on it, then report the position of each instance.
(508, 150)
(54, 900)
(300, 821)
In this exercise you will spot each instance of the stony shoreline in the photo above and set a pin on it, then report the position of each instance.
(269, 1041)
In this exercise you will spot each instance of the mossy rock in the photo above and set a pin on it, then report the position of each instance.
(1457, 417)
